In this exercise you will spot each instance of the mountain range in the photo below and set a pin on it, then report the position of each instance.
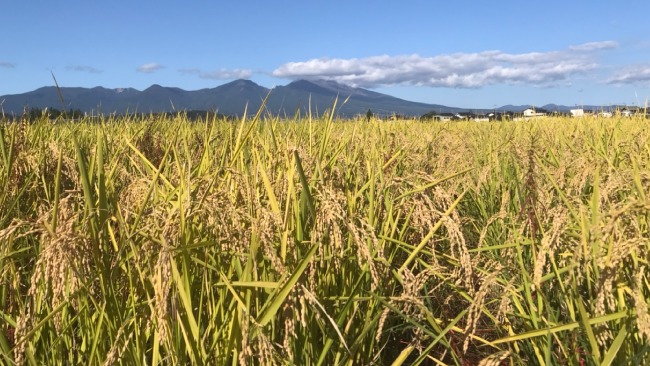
(232, 98)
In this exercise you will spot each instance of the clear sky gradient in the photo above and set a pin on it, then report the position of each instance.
(476, 54)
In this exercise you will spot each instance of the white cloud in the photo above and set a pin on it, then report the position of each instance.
(221, 74)
(150, 67)
(8, 65)
(458, 70)
(594, 46)
(84, 68)
(632, 75)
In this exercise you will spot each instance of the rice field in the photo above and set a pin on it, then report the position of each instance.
(317, 241)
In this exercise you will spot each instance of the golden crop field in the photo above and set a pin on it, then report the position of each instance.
(160, 241)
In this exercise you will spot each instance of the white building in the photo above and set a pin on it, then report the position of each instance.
(577, 112)
(530, 112)
(626, 113)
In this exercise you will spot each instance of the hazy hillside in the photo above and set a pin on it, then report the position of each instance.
(234, 97)
(231, 98)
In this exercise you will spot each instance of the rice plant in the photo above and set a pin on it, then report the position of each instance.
(159, 241)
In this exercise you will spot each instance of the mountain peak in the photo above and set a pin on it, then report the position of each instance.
(322, 86)
(123, 90)
(242, 83)
(154, 87)
(330, 83)
(300, 82)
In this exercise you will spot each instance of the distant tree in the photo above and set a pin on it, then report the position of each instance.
(75, 114)
(33, 114)
(54, 113)
(368, 115)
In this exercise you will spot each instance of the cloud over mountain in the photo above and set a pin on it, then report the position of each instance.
(221, 74)
(150, 68)
(458, 70)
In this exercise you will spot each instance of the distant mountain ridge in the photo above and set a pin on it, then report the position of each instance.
(232, 98)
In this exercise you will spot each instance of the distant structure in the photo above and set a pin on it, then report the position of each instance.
(531, 112)
(579, 112)
(628, 111)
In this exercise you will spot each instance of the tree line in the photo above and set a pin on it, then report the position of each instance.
(33, 114)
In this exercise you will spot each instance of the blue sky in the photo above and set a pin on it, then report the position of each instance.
(458, 53)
